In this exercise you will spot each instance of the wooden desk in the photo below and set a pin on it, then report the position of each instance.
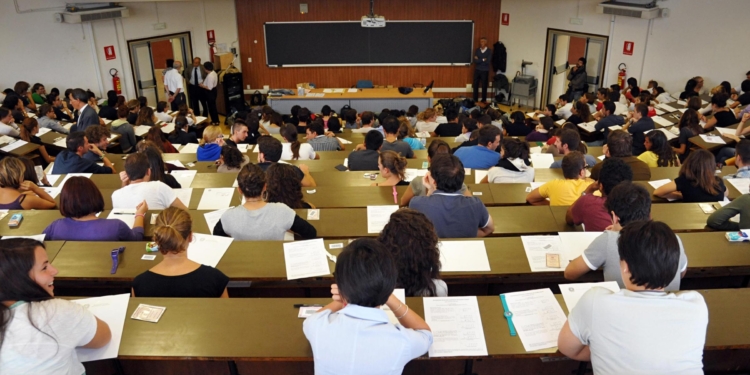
(681, 217)
(362, 100)
(20, 151)
(53, 248)
(713, 147)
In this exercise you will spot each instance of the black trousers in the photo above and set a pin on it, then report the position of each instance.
(482, 77)
(178, 99)
(198, 96)
(210, 97)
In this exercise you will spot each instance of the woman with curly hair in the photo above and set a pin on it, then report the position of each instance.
(284, 186)
(414, 242)
(231, 160)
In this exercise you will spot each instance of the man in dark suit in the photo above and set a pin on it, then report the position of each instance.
(87, 116)
(482, 61)
(194, 77)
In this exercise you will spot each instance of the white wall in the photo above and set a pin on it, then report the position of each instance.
(60, 55)
(680, 46)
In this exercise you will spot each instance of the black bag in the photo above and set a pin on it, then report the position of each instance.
(257, 99)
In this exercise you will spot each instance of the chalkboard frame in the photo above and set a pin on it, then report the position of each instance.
(468, 62)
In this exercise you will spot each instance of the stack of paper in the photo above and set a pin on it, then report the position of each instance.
(541, 160)
(185, 178)
(378, 217)
(456, 326)
(463, 256)
(537, 317)
(305, 259)
(208, 250)
(216, 198)
(111, 310)
(572, 293)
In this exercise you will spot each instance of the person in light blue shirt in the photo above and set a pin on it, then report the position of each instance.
(483, 155)
(352, 335)
(741, 160)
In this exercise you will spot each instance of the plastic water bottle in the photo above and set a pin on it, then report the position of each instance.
(300, 91)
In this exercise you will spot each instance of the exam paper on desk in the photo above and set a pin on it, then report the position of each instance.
(38, 237)
(463, 256)
(126, 215)
(213, 217)
(537, 317)
(574, 244)
(216, 198)
(456, 326)
(208, 250)
(378, 217)
(111, 310)
(305, 259)
(537, 248)
(572, 293)
(185, 178)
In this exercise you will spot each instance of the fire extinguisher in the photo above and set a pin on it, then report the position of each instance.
(622, 75)
(115, 81)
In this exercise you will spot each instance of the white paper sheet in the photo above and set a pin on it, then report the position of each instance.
(69, 175)
(38, 237)
(126, 215)
(351, 90)
(601, 157)
(531, 114)
(185, 178)
(338, 91)
(574, 243)
(344, 141)
(167, 128)
(741, 184)
(176, 163)
(190, 148)
(456, 326)
(216, 198)
(243, 147)
(541, 160)
(560, 121)
(479, 175)
(52, 191)
(572, 293)
(615, 127)
(305, 259)
(670, 136)
(661, 121)
(734, 219)
(401, 295)
(328, 91)
(62, 142)
(184, 195)
(659, 112)
(141, 130)
(537, 317)
(208, 250)
(535, 150)
(588, 126)
(52, 178)
(43, 131)
(14, 145)
(200, 119)
(712, 139)
(112, 310)
(665, 107)
(725, 131)
(378, 217)
(412, 173)
(6, 139)
(537, 248)
(213, 217)
(463, 256)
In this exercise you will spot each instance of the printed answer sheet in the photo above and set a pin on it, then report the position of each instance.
(216, 198)
(378, 217)
(537, 317)
(305, 259)
(466, 256)
(207, 249)
(112, 310)
(456, 326)
(572, 293)
(537, 248)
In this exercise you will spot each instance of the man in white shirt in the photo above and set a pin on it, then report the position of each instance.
(174, 86)
(641, 329)
(6, 123)
(137, 187)
(209, 84)
(564, 106)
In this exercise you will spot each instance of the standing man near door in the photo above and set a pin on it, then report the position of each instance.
(577, 78)
(194, 77)
(173, 85)
(209, 92)
(482, 60)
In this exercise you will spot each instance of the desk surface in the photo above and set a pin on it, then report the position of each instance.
(189, 328)
(382, 93)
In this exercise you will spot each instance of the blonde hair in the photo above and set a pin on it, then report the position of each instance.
(426, 115)
(172, 230)
(11, 172)
(394, 162)
(718, 89)
(210, 134)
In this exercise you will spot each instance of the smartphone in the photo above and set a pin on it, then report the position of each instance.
(341, 167)
(15, 220)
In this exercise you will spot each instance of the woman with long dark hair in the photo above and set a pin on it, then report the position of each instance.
(283, 186)
(292, 149)
(156, 163)
(697, 181)
(689, 127)
(658, 151)
(39, 334)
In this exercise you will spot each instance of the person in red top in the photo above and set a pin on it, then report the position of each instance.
(602, 95)
(589, 209)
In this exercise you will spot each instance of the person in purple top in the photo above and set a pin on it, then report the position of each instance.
(80, 202)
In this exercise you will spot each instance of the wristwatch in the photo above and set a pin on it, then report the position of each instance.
(508, 316)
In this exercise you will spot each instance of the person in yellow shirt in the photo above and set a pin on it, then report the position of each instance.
(563, 192)
(659, 153)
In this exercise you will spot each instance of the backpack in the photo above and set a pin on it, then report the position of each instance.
(257, 99)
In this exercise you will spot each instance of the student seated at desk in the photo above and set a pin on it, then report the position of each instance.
(186, 112)
(48, 119)
(411, 238)
(365, 156)
(548, 111)
(570, 140)
(590, 209)
(691, 89)
(7, 125)
(542, 131)
(320, 140)
(39, 333)
(659, 153)
(620, 145)
(122, 127)
(210, 146)
(392, 143)
(426, 121)
(449, 129)
(80, 202)
(146, 117)
(292, 148)
(367, 120)
(453, 214)
(18, 194)
(256, 219)
(231, 160)
(406, 134)
(29, 130)
(109, 111)
(158, 166)
(563, 192)
(517, 127)
(608, 118)
(637, 125)
(99, 137)
(416, 187)
(269, 153)
(697, 181)
(483, 155)
(689, 126)
(284, 187)
(723, 116)
(467, 126)
(62, 112)
(176, 276)
(180, 136)
(581, 113)
(514, 165)
(138, 186)
(741, 160)
(564, 105)
(644, 328)
(71, 160)
(29, 173)
(392, 167)
(352, 335)
(159, 139)
(161, 112)
(626, 203)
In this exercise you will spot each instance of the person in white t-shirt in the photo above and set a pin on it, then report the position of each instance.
(39, 334)
(427, 121)
(137, 187)
(161, 112)
(292, 149)
(564, 107)
(641, 329)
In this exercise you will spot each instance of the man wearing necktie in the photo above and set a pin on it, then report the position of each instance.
(194, 77)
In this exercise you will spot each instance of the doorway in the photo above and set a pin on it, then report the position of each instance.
(148, 59)
(563, 50)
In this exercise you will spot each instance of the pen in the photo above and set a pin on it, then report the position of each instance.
(123, 213)
(298, 305)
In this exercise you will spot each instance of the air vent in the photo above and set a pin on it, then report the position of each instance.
(108, 13)
(616, 9)
(101, 16)
(623, 12)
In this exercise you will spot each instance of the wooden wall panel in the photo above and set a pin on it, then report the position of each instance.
(251, 14)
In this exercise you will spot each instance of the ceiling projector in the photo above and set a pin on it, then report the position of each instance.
(373, 21)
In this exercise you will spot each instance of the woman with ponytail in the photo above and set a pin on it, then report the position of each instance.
(393, 168)
(176, 276)
(39, 334)
(292, 149)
